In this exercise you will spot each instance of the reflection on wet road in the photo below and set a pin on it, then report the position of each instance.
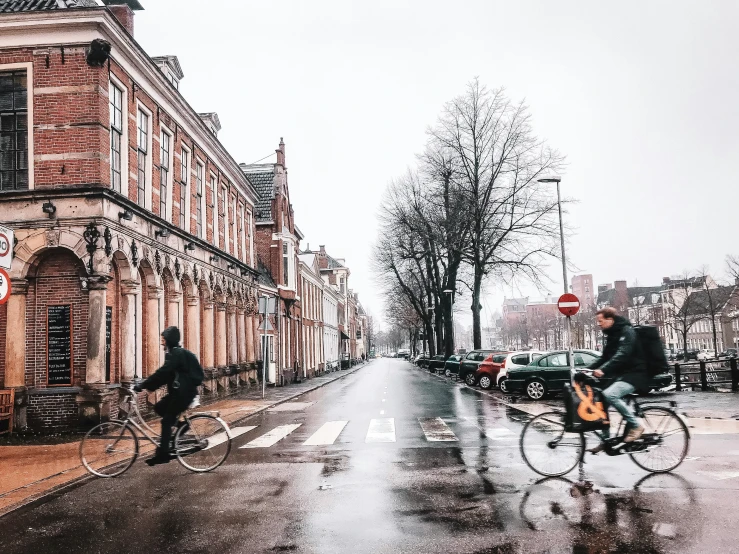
(391, 459)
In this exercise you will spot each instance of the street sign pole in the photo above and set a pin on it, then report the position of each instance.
(568, 305)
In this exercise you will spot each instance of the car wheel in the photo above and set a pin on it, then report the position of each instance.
(448, 372)
(486, 382)
(503, 386)
(470, 379)
(536, 389)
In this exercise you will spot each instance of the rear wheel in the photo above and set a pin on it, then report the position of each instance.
(109, 449)
(547, 448)
(666, 440)
(470, 379)
(448, 372)
(536, 389)
(486, 382)
(503, 385)
(202, 443)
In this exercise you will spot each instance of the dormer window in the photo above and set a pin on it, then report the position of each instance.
(170, 66)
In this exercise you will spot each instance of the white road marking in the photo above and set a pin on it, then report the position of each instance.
(326, 434)
(436, 430)
(220, 438)
(499, 433)
(272, 437)
(721, 475)
(381, 430)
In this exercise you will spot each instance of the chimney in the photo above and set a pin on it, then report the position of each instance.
(281, 153)
(123, 10)
(665, 280)
(322, 250)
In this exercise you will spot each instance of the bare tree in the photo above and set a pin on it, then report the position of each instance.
(499, 161)
(683, 307)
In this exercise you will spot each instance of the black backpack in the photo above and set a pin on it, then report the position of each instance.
(652, 349)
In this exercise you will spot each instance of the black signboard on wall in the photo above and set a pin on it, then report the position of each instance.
(59, 345)
(108, 327)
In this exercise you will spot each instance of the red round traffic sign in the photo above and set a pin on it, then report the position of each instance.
(568, 304)
(4, 286)
(4, 244)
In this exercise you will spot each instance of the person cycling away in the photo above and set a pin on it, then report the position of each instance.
(182, 374)
(623, 361)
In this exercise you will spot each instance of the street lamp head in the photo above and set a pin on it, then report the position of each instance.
(448, 291)
(551, 179)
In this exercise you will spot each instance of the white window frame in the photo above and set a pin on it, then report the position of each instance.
(167, 216)
(214, 191)
(224, 189)
(148, 199)
(243, 234)
(115, 84)
(200, 195)
(28, 66)
(233, 203)
(185, 178)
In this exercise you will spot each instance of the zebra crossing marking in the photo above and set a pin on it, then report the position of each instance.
(272, 437)
(436, 430)
(220, 438)
(326, 434)
(381, 430)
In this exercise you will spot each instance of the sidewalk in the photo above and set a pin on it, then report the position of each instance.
(29, 472)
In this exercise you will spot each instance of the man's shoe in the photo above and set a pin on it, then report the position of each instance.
(159, 458)
(597, 449)
(634, 434)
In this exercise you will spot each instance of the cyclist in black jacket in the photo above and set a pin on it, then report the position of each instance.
(182, 374)
(623, 361)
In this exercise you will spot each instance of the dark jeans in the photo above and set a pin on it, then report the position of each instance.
(170, 409)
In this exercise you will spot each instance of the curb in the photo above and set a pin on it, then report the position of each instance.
(45, 496)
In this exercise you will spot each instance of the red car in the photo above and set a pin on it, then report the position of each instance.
(487, 373)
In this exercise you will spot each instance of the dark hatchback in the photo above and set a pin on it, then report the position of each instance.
(436, 363)
(469, 364)
(550, 373)
(451, 367)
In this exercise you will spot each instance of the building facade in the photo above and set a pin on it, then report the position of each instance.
(129, 213)
(583, 288)
(311, 295)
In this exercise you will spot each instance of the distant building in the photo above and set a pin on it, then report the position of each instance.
(582, 287)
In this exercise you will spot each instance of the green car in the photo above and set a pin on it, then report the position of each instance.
(550, 373)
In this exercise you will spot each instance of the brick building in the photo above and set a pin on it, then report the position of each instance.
(311, 295)
(129, 213)
(582, 287)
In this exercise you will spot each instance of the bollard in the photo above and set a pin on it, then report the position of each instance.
(704, 377)
(734, 375)
(678, 379)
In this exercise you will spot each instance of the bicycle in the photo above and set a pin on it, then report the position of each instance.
(550, 449)
(202, 441)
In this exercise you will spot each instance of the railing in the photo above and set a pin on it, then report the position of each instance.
(706, 373)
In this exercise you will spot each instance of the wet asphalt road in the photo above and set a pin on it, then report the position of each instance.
(472, 495)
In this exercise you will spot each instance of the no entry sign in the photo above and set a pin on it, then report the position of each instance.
(568, 304)
(4, 286)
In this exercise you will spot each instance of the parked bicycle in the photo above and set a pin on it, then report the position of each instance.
(551, 450)
(202, 441)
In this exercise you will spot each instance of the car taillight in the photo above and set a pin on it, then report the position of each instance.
(503, 364)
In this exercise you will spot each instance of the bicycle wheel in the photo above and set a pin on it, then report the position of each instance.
(547, 448)
(109, 449)
(202, 443)
(666, 440)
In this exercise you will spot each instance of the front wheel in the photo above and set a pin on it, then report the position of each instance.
(536, 389)
(503, 385)
(202, 443)
(486, 382)
(548, 448)
(109, 449)
(665, 441)
(447, 372)
(470, 379)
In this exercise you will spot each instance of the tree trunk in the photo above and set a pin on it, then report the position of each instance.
(715, 338)
(448, 325)
(476, 309)
(430, 336)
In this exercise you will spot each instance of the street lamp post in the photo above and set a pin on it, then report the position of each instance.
(556, 179)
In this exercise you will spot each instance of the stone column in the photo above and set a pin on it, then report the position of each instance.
(15, 350)
(241, 335)
(154, 322)
(208, 360)
(193, 325)
(174, 313)
(232, 335)
(129, 292)
(93, 401)
(250, 338)
(220, 336)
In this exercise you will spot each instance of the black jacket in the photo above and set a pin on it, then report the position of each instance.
(622, 358)
(180, 367)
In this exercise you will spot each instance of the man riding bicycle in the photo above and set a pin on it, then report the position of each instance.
(623, 361)
(182, 374)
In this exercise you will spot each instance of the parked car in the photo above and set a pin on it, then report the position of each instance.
(692, 355)
(704, 354)
(729, 353)
(436, 363)
(404, 353)
(468, 365)
(487, 372)
(513, 360)
(451, 366)
(551, 372)
(422, 360)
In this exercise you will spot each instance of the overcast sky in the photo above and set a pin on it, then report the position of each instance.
(642, 98)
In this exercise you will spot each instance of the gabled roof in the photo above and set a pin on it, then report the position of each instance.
(265, 277)
(9, 6)
(263, 179)
(699, 302)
